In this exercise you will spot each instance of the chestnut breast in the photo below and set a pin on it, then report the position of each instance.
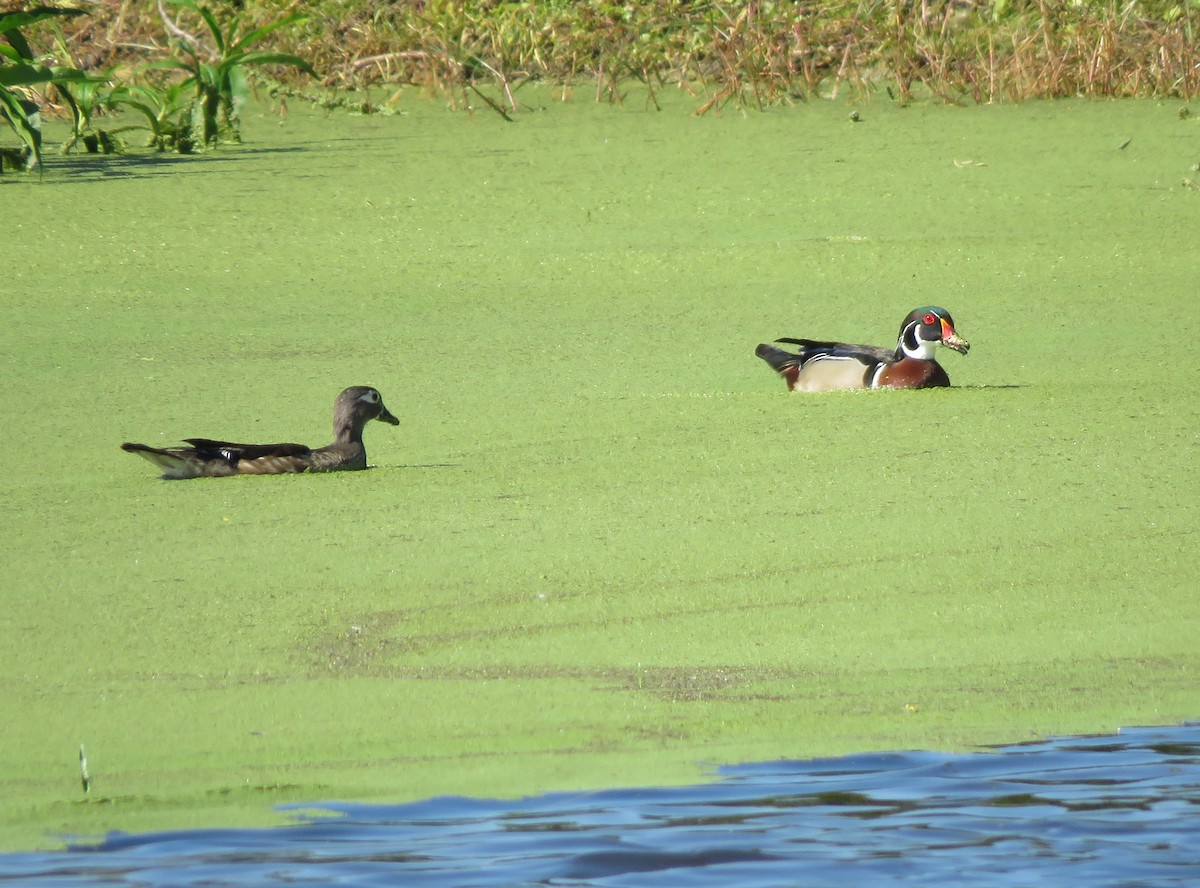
(911, 373)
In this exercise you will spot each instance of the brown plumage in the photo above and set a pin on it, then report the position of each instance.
(207, 458)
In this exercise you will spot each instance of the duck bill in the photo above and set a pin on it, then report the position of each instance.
(950, 339)
(386, 416)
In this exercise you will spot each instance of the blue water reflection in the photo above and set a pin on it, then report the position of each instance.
(1120, 810)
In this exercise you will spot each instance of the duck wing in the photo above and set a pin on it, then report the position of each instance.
(207, 448)
(868, 354)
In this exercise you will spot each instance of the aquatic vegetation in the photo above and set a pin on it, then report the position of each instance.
(167, 111)
(603, 502)
(198, 111)
(20, 70)
(85, 100)
(218, 73)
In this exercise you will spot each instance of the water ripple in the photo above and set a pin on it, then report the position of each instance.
(1100, 811)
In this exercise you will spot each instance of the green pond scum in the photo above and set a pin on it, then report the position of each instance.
(605, 546)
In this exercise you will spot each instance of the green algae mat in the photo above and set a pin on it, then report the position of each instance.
(605, 546)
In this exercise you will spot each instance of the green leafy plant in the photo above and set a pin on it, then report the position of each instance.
(167, 110)
(85, 99)
(20, 72)
(218, 76)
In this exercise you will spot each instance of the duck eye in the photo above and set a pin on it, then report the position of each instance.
(371, 397)
(930, 319)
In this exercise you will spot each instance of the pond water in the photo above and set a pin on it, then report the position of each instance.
(1113, 810)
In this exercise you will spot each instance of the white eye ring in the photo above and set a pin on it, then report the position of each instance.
(371, 397)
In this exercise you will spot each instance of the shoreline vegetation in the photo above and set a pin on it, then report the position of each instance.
(749, 54)
(188, 67)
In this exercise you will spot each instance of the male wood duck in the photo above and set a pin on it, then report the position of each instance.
(353, 409)
(826, 366)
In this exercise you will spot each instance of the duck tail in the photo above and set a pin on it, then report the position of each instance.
(174, 464)
(779, 359)
(786, 364)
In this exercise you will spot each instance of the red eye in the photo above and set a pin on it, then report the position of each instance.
(930, 319)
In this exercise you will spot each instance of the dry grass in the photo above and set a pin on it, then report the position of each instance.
(754, 54)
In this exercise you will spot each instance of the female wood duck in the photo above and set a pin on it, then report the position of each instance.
(353, 409)
(825, 366)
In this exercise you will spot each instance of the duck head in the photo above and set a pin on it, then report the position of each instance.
(355, 407)
(927, 328)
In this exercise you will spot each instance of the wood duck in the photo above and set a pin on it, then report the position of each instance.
(353, 409)
(826, 366)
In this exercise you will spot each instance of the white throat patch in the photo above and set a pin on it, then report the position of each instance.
(924, 350)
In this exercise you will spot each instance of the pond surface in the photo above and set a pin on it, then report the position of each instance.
(599, 498)
(1114, 810)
